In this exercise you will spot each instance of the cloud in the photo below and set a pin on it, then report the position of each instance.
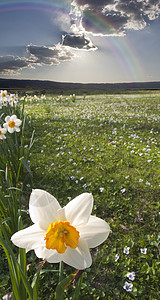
(37, 55)
(12, 64)
(78, 42)
(114, 17)
(49, 55)
(99, 24)
(98, 4)
(80, 19)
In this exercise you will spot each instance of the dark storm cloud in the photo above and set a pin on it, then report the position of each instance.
(12, 64)
(78, 42)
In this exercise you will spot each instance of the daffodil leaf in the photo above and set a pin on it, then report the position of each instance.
(59, 294)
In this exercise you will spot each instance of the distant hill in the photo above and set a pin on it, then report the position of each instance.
(17, 84)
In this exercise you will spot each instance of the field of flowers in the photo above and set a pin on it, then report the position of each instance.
(107, 145)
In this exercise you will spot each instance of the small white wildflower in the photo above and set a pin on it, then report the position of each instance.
(116, 257)
(126, 250)
(84, 186)
(128, 286)
(131, 276)
(143, 250)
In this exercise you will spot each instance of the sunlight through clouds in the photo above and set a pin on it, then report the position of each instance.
(71, 25)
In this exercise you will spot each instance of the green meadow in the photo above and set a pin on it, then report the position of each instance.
(107, 145)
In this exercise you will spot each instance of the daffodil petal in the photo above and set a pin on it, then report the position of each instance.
(5, 125)
(79, 258)
(7, 119)
(18, 122)
(43, 208)
(79, 209)
(29, 238)
(52, 256)
(13, 117)
(11, 130)
(17, 129)
(94, 232)
(4, 130)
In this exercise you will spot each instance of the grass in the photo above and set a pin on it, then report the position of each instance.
(108, 145)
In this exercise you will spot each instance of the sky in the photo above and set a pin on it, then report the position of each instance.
(87, 41)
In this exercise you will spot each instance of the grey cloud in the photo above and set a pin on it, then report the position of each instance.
(110, 24)
(150, 12)
(130, 8)
(123, 14)
(49, 55)
(37, 55)
(12, 64)
(78, 42)
(153, 2)
(117, 19)
(98, 4)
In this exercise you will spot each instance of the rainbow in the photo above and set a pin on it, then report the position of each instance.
(124, 53)
(47, 5)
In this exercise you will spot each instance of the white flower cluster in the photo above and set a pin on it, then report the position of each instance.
(128, 286)
(7, 99)
(12, 123)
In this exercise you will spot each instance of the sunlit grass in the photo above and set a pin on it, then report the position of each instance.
(108, 145)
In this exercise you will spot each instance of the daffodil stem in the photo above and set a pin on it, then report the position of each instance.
(60, 271)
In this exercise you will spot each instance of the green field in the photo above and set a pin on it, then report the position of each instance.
(107, 145)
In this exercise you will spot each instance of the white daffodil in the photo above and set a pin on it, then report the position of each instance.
(2, 133)
(12, 99)
(3, 97)
(12, 123)
(62, 234)
(3, 94)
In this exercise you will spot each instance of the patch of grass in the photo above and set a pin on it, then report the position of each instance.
(109, 146)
